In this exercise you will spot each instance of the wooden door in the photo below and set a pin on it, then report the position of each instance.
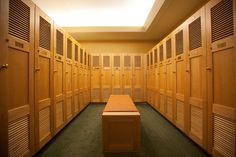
(59, 78)
(138, 78)
(16, 76)
(85, 92)
(151, 74)
(169, 78)
(179, 77)
(81, 79)
(127, 75)
(43, 78)
(4, 95)
(95, 78)
(69, 79)
(89, 78)
(116, 75)
(196, 78)
(148, 78)
(156, 79)
(76, 78)
(221, 74)
(162, 79)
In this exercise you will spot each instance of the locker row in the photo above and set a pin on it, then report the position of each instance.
(48, 78)
(191, 77)
(117, 74)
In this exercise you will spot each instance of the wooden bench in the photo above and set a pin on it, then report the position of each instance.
(121, 125)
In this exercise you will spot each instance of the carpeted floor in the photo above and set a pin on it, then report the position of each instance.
(83, 137)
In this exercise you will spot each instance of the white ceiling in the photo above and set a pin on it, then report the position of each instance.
(94, 20)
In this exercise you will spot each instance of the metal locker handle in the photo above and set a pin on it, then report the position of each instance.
(4, 66)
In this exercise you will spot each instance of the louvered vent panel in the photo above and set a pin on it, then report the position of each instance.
(196, 121)
(68, 106)
(138, 93)
(85, 58)
(76, 53)
(106, 93)
(155, 56)
(59, 47)
(76, 103)
(161, 53)
(179, 43)
(180, 113)
(59, 114)
(18, 137)
(151, 59)
(96, 93)
(69, 49)
(81, 56)
(44, 122)
(89, 60)
(127, 62)
(224, 136)
(222, 22)
(137, 61)
(116, 91)
(148, 60)
(127, 91)
(95, 61)
(116, 61)
(195, 37)
(168, 48)
(106, 61)
(44, 34)
(19, 20)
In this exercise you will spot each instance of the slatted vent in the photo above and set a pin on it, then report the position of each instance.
(137, 61)
(196, 121)
(18, 137)
(179, 43)
(69, 49)
(168, 48)
(81, 56)
(88, 60)
(161, 53)
(85, 58)
(138, 93)
(127, 61)
(106, 61)
(195, 37)
(151, 59)
(116, 61)
(76, 53)
(59, 114)
(147, 59)
(155, 56)
(59, 47)
(95, 61)
(106, 93)
(222, 22)
(19, 20)
(96, 93)
(44, 34)
(224, 136)
(44, 122)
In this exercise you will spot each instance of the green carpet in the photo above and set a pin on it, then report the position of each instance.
(83, 137)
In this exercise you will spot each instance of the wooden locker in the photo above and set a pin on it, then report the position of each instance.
(169, 77)
(127, 75)
(196, 78)
(95, 78)
(151, 74)
(138, 77)
(17, 75)
(85, 91)
(69, 78)
(89, 77)
(162, 77)
(106, 77)
(43, 78)
(81, 79)
(148, 78)
(59, 78)
(116, 75)
(4, 94)
(221, 74)
(179, 76)
(76, 78)
(156, 79)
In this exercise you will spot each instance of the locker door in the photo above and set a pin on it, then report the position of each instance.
(43, 78)
(16, 71)
(4, 95)
(127, 75)
(156, 80)
(169, 79)
(76, 78)
(196, 78)
(116, 75)
(138, 78)
(69, 79)
(148, 78)
(85, 79)
(106, 77)
(59, 77)
(179, 78)
(151, 70)
(89, 78)
(81, 79)
(221, 74)
(95, 79)
(162, 83)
